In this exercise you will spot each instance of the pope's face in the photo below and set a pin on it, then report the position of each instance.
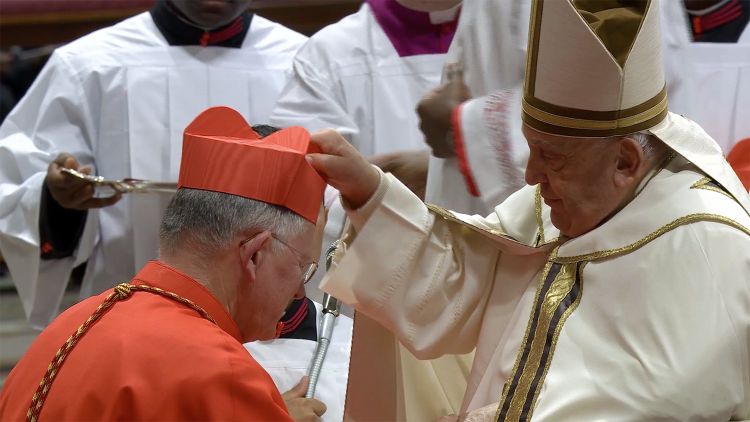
(429, 5)
(210, 14)
(578, 179)
(278, 281)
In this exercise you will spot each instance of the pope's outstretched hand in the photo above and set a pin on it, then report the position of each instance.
(344, 168)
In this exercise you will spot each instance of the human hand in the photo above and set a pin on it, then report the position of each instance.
(436, 109)
(70, 191)
(483, 414)
(410, 167)
(344, 168)
(300, 408)
(448, 418)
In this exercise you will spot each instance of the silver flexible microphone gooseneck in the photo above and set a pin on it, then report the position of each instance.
(331, 308)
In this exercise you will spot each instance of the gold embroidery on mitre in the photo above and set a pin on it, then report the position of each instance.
(624, 124)
(532, 54)
(692, 218)
(522, 389)
(616, 26)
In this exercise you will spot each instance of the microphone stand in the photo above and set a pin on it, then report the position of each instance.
(331, 308)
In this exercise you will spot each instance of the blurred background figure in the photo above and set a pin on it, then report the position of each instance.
(364, 75)
(18, 69)
(713, 38)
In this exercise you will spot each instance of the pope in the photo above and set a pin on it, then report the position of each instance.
(614, 286)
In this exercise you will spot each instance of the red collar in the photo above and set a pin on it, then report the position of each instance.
(209, 38)
(721, 16)
(167, 278)
(292, 323)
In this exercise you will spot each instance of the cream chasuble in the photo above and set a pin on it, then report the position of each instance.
(642, 318)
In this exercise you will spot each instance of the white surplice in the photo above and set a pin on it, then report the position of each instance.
(118, 100)
(349, 77)
(288, 360)
(490, 44)
(643, 318)
(720, 97)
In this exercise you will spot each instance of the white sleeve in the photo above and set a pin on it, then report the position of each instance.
(53, 117)
(490, 147)
(313, 99)
(423, 277)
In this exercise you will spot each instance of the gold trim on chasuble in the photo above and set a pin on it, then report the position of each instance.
(448, 215)
(688, 219)
(708, 183)
(541, 241)
(539, 220)
(558, 295)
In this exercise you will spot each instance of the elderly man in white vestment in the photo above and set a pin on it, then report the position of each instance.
(614, 287)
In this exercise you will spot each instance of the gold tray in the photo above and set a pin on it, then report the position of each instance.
(123, 186)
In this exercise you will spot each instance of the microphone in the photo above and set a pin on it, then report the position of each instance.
(331, 310)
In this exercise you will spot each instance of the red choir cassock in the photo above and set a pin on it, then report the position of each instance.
(162, 347)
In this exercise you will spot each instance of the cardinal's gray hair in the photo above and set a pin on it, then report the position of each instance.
(206, 222)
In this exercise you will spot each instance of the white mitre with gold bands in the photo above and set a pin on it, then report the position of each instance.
(595, 69)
